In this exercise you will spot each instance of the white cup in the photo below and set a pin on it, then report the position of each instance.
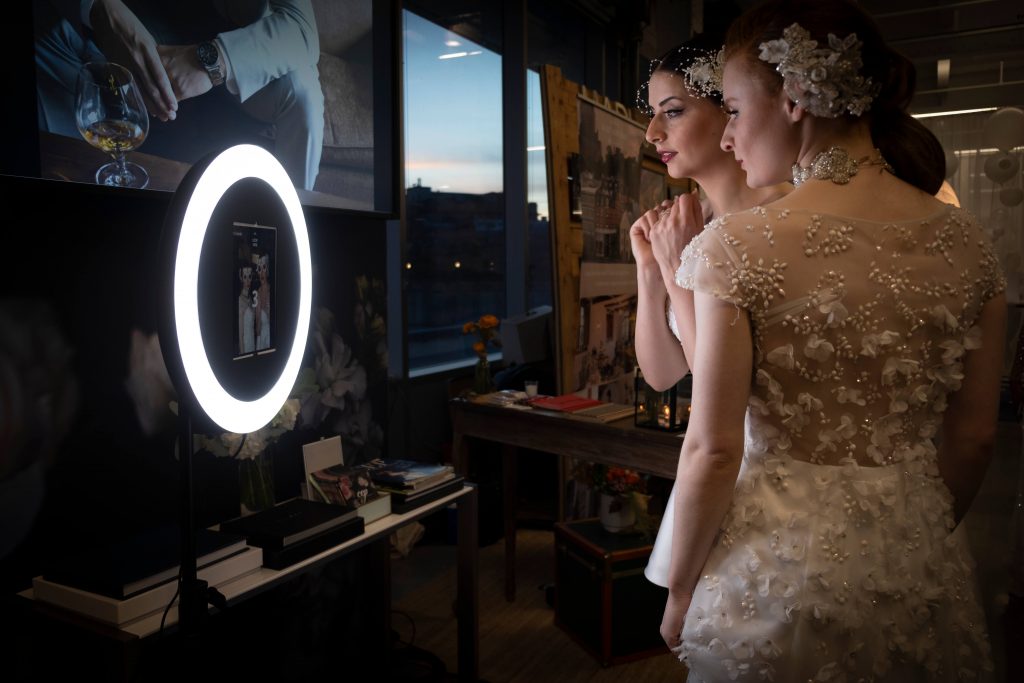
(531, 387)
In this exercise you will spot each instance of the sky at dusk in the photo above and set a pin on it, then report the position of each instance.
(453, 115)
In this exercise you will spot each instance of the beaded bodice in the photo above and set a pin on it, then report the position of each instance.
(860, 327)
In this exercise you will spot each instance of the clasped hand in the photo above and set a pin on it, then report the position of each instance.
(659, 236)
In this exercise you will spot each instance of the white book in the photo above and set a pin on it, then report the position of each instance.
(375, 508)
(113, 611)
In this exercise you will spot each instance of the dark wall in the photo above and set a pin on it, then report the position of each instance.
(90, 255)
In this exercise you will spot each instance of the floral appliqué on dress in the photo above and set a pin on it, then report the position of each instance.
(837, 560)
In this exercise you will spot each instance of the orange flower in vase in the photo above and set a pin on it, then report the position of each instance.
(486, 330)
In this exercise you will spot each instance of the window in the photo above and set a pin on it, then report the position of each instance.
(455, 225)
(539, 273)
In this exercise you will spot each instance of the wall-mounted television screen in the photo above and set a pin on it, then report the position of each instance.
(312, 81)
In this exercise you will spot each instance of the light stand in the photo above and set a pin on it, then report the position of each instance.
(192, 598)
(242, 186)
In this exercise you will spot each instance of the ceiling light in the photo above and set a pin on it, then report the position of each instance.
(952, 113)
(942, 72)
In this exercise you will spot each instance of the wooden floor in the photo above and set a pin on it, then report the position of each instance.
(519, 641)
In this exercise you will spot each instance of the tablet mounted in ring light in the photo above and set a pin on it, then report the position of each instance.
(233, 210)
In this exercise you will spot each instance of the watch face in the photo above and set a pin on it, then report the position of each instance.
(207, 53)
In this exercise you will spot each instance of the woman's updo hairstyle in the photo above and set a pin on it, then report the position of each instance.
(913, 151)
(696, 58)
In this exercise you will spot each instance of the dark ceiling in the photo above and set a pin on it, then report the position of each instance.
(982, 39)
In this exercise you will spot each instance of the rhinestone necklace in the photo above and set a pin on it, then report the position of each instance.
(837, 166)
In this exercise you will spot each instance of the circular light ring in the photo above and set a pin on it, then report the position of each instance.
(234, 164)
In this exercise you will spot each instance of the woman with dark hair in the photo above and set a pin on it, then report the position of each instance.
(684, 100)
(846, 378)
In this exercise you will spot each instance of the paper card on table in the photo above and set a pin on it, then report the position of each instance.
(319, 455)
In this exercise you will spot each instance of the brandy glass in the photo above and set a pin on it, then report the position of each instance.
(112, 117)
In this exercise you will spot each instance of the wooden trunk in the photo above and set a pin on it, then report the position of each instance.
(602, 598)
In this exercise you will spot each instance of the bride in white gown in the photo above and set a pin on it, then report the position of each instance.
(845, 342)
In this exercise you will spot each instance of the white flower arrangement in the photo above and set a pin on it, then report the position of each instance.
(248, 446)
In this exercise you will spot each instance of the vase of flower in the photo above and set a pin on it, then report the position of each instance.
(256, 482)
(486, 331)
(617, 513)
(482, 381)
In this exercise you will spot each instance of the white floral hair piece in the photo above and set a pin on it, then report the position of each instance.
(702, 76)
(825, 81)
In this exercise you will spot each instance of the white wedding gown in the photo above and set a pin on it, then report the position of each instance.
(837, 559)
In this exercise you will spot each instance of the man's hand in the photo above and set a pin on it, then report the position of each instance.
(123, 39)
(188, 77)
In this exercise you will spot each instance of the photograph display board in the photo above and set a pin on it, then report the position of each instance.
(255, 252)
(603, 177)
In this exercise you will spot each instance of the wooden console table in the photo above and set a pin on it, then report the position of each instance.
(129, 636)
(615, 443)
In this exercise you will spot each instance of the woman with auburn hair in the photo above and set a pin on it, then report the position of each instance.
(846, 378)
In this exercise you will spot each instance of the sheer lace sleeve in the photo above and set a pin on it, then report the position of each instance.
(716, 262)
(991, 280)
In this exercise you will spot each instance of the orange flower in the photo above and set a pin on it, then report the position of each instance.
(486, 332)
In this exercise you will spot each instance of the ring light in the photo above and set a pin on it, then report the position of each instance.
(229, 167)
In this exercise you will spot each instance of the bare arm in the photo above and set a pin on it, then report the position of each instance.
(969, 424)
(668, 237)
(712, 450)
(658, 352)
(658, 238)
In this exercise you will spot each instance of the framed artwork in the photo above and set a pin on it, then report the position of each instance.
(653, 184)
(334, 60)
(599, 146)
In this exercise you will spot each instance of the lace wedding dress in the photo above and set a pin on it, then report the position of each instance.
(836, 560)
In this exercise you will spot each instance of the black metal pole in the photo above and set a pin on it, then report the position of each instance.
(192, 600)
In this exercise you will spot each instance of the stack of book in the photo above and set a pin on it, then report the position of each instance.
(352, 488)
(412, 484)
(130, 578)
(296, 529)
(583, 408)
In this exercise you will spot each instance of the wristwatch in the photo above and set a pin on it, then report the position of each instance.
(209, 57)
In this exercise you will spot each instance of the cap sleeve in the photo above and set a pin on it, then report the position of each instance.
(717, 262)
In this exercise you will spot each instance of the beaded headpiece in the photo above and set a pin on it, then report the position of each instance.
(702, 76)
(824, 81)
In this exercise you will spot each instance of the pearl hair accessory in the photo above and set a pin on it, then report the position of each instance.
(824, 81)
(702, 76)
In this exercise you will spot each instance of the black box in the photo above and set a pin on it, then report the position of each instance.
(602, 598)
